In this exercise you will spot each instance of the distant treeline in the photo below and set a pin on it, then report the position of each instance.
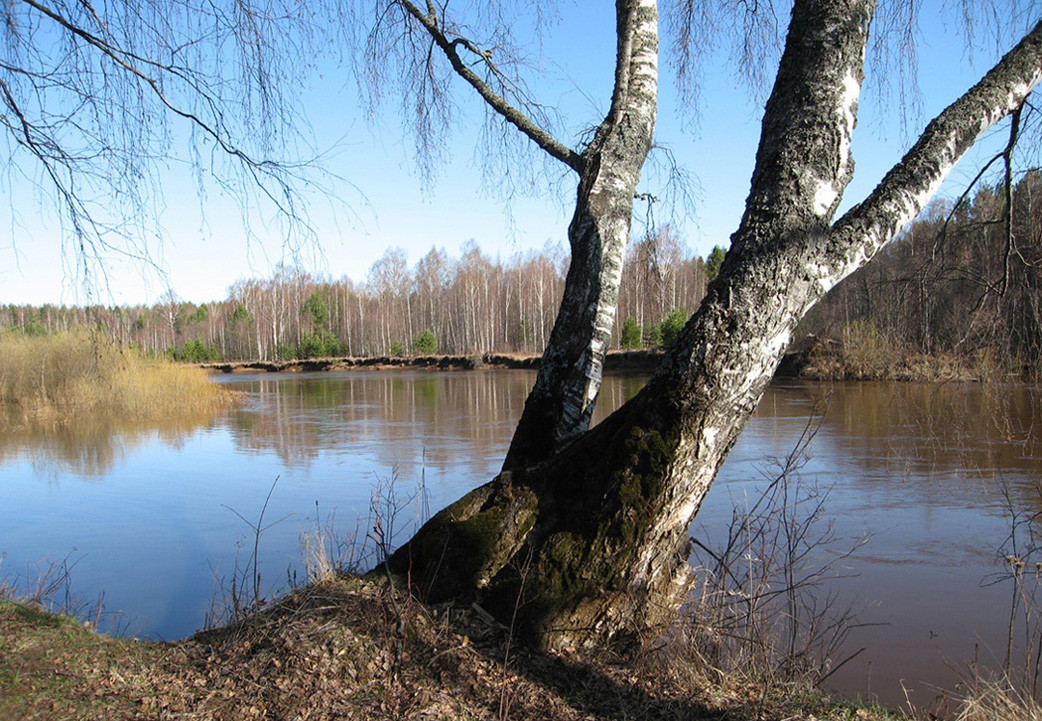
(470, 304)
(964, 281)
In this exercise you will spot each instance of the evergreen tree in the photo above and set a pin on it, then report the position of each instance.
(425, 343)
(714, 261)
(672, 324)
(631, 335)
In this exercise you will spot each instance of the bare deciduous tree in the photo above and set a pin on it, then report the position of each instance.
(600, 526)
(99, 100)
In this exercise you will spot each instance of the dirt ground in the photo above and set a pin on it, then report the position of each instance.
(344, 649)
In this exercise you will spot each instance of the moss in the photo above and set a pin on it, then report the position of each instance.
(649, 455)
(563, 557)
(465, 545)
(585, 561)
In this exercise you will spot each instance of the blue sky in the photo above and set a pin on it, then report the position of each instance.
(204, 248)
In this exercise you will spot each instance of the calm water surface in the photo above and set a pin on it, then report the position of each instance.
(148, 516)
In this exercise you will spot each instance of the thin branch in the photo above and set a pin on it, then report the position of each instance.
(126, 59)
(497, 102)
(1007, 162)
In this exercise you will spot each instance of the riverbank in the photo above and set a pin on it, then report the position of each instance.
(822, 360)
(637, 360)
(345, 649)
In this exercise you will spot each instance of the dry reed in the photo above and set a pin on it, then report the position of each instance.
(55, 378)
(996, 700)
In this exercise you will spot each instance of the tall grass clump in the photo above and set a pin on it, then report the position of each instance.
(997, 700)
(60, 377)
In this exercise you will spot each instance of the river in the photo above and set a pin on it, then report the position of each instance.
(921, 483)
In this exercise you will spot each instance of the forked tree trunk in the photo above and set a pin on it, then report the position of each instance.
(591, 545)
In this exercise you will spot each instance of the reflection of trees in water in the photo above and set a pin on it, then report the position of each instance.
(461, 422)
(948, 435)
(92, 446)
(394, 415)
(399, 417)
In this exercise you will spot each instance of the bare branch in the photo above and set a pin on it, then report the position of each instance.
(497, 102)
(913, 181)
(103, 89)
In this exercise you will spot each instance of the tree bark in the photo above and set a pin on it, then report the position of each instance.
(591, 544)
(562, 400)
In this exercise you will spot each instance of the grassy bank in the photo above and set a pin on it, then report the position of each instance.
(862, 352)
(55, 378)
(344, 649)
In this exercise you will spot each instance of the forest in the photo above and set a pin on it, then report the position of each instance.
(960, 281)
(464, 305)
(964, 280)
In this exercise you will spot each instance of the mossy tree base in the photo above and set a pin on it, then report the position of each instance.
(585, 541)
(555, 550)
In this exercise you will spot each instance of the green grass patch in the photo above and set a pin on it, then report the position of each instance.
(52, 667)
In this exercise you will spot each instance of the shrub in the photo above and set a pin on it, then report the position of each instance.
(195, 351)
(653, 335)
(672, 324)
(319, 345)
(867, 353)
(284, 351)
(425, 343)
(57, 377)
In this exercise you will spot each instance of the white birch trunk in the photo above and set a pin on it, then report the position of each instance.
(600, 529)
(561, 403)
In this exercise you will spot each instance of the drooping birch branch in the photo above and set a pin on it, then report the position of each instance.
(497, 102)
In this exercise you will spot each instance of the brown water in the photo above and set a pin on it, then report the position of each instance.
(934, 474)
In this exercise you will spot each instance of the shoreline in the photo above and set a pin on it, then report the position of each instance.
(333, 650)
(637, 360)
(811, 365)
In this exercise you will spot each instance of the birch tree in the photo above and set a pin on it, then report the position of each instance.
(98, 101)
(418, 42)
(590, 545)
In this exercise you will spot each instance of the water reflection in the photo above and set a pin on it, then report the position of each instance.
(399, 417)
(926, 468)
(93, 447)
(931, 472)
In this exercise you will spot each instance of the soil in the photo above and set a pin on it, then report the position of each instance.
(347, 649)
(638, 360)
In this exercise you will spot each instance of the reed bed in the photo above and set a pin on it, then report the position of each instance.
(56, 378)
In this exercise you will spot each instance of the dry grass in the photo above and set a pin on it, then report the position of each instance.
(996, 700)
(55, 378)
(344, 649)
(864, 353)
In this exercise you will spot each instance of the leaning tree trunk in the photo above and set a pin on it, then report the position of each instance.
(592, 544)
(562, 400)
